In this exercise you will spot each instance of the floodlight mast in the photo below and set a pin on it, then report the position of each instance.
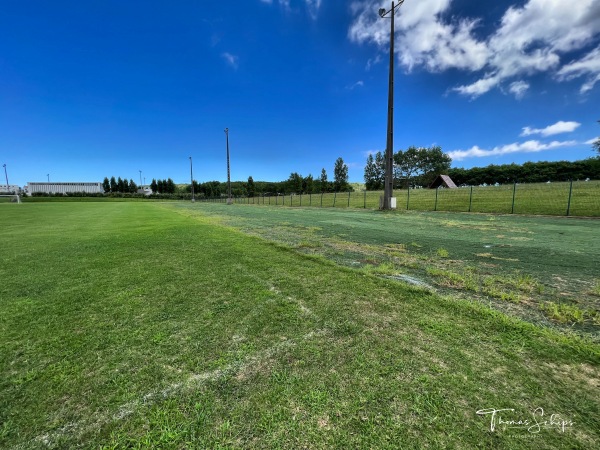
(6, 175)
(388, 192)
(229, 202)
(192, 180)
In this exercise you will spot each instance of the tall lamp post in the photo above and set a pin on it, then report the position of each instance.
(389, 202)
(229, 201)
(6, 175)
(142, 186)
(192, 180)
(48, 175)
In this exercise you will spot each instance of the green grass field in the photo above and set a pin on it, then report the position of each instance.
(172, 325)
(541, 199)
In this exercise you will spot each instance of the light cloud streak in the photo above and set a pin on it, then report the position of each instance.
(517, 147)
(558, 128)
(230, 59)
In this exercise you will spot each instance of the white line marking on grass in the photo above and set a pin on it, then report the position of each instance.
(77, 429)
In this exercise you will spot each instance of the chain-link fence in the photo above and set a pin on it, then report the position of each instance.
(577, 198)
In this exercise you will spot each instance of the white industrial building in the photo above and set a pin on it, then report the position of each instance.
(63, 188)
(9, 189)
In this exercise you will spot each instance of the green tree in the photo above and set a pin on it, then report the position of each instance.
(294, 183)
(132, 186)
(154, 186)
(420, 165)
(308, 184)
(113, 184)
(406, 165)
(340, 175)
(170, 186)
(433, 162)
(596, 145)
(250, 187)
(106, 185)
(323, 180)
(372, 181)
(119, 184)
(125, 185)
(160, 186)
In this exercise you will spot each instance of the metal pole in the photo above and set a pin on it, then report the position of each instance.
(471, 199)
(6, 175)
(228, 170)
(348, 199)
(48, 175)
(569, 202)
(389, 151)
(365, 201)
(310, 199)
(436, 198)
(321, 199)
(141, 177)
(334, 195)
(512, 209)
(192, 180)
(408, 197)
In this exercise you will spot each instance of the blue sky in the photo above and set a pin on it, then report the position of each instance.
(100, 88)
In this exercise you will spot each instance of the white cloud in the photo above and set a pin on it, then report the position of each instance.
(518, 88)
(359, 83)
(529, 39)
(557, 128)
(521, 147)
(232, 60)
(592, 141)
(372, 61)
(370, 152)
(312, 6)
(588, 66)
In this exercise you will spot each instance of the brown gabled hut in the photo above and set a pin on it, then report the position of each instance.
(442, 181)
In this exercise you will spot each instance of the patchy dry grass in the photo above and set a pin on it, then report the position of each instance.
(165, 328)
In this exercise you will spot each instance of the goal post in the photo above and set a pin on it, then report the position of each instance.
(10, 198)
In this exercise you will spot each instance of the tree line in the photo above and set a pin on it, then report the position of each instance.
(295, 184)
(529, 172)
(420, 166)
(119, 185)
(415, 166)
(163, 186)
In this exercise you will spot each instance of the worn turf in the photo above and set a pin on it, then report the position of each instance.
(156, 325)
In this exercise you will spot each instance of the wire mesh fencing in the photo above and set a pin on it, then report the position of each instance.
(576, 198)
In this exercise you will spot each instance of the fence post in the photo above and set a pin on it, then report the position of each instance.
(569, 202)
(310, 199)
(334, 195)
(321, 199)
(407, 197)
(365, 200)
(348, 199)
(512, 210)
(300, 199)
(471, 199)
(436, 198)
(283, 199)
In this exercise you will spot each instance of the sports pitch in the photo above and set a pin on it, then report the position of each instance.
(174, 325)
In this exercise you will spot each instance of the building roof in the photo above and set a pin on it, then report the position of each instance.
(443, 180)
